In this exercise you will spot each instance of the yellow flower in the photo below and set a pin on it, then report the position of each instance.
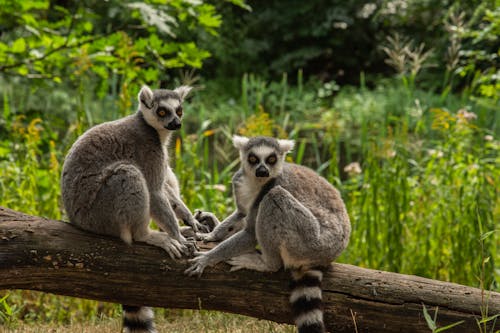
(34, 130)
(209, 132)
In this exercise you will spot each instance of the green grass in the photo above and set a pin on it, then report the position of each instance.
(180, 321)
(424, 200)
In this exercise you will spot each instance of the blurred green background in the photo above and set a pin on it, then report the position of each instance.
(395, 102)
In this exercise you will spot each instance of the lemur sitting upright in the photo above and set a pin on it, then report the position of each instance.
(296, 217)
(116, 177)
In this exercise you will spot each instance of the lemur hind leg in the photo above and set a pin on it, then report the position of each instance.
(122, 202)
(161, 239)
(286, 230)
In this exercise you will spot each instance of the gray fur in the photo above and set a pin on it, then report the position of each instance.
(116, 176)
(296, 217)
(301, 222)
(232, 224)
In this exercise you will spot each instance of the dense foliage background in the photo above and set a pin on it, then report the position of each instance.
(395, 102)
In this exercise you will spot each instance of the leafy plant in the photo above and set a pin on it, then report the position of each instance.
(416, 158)
(432, 321)
(486, 319)
(479, 57)
(8, 312)
(44, 40)
(407, 59)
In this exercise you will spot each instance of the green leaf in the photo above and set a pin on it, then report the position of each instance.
(104, 58)
(485, 320)
(4, 152)
(29, 19)
(169, 47)
(63, 10)
(240, 3)
(154, 42)
(3, 47)
(441, 329)
(23, 70)
(41, 4)
(102, 71)
(487, 234)
(88, 26)
(19, 45)
(430, 323)
(208, 18)
(150, 75)
(172, 63)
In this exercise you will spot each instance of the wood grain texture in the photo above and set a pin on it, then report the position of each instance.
(55, 257)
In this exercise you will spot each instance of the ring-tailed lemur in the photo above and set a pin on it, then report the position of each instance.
(116, 178)
(296, 217)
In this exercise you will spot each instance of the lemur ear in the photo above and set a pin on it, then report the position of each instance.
(183, 91)
(286, 145)
(146, 97)
(240, 141)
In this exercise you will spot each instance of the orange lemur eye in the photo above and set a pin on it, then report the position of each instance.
(271, 159)
(161, 112)
(178, 111)
(252, 159)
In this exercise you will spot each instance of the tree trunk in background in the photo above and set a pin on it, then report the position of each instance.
(55, 257)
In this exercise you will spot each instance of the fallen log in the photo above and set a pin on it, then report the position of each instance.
(55, 257)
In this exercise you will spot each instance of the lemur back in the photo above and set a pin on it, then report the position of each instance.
(97, 156)
(327, 234)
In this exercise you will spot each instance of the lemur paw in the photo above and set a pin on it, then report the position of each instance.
(203, 227)
(193, 223)
(188, 232)
(207, 219)
(251, 261)
(236, 264)
(210, 237)
(174, 248)
(198, 264)
(190, 244)
(197, 226)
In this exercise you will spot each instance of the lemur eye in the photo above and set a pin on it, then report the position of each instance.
(252, 159)
(178, 111)
(161, 112)
(271, 159)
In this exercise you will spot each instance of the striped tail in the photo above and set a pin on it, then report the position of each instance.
(306, 301)
(138, 319)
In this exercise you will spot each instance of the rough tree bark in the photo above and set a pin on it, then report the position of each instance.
(55, 257)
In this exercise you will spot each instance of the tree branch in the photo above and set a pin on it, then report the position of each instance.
(52, 256)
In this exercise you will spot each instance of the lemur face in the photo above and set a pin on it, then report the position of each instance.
(263, 161)
(262, 157)
(162, 108)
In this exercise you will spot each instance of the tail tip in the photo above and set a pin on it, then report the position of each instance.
(138, 319)
(306, 301)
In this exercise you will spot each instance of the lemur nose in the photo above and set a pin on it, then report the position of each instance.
(262, 171)
(174, 125)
